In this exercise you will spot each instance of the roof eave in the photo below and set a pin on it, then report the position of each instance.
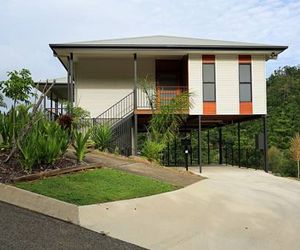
(175, 47)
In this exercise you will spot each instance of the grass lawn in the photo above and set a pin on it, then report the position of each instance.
(96, 186)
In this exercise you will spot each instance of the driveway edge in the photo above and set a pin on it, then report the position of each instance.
(39, 203)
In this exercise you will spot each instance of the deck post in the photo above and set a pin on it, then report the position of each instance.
(56, 107)
(239, 143)
(51, 106)
(135, 130)
(70, 79)
(45, 101)
(208, 148)
(266, 167)
(220, 146)
(199, 143)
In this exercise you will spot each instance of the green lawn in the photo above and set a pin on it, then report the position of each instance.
(96, 186)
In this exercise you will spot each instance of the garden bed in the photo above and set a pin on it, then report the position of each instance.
(13, 169)
(97, 186)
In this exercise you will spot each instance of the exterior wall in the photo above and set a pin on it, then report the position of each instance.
(259, 93)
(100, 83)
(227, 84)
(195, 83)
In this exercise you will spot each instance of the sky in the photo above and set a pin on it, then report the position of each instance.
(27, 27)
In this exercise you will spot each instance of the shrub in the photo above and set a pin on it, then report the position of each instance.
(276, 159)
(65, 121)
(44, 144)
(102, 136)
(80, 144)
(153, 150)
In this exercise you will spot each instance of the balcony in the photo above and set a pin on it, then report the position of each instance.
(157, 96)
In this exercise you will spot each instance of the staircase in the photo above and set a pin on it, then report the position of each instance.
(119, 118)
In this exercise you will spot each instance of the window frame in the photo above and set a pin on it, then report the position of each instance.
(246, 83)
(213, 83)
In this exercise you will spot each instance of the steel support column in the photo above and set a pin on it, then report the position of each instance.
(220, 146)
(208, 148)
(135, 130)
(51, 106)
(56, 107)
(199, 144)
(266, 167)
(239, 143)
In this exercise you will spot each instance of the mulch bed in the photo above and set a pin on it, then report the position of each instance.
(13, 169)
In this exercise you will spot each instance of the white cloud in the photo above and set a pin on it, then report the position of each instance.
(27, 27)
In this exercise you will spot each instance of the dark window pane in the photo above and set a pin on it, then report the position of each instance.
(209, 92)
(245, 73)
(208, 73)
(245, 92)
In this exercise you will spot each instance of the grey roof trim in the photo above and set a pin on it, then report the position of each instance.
(175, 47)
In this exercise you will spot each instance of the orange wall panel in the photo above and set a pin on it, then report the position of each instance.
(244, 59)
(246, 108)
(209, 108)
(208, 58)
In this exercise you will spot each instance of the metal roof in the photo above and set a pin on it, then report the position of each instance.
(166, 42)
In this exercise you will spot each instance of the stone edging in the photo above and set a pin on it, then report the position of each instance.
(39, 203)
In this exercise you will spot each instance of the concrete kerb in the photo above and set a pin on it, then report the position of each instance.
(39, 203)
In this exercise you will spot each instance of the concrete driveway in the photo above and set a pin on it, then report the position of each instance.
(232, 209)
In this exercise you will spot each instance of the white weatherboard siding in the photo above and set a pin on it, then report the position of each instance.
(195, 83)
(100, 83)
(227, 84)
(145, 68)
(259, 85)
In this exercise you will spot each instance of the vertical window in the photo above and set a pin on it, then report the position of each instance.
(245, 79)
(209, 81)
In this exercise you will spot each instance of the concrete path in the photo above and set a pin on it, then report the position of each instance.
(140, 167)
(232, 209)
(23, 229)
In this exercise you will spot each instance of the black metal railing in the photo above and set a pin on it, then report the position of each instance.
(117, 112)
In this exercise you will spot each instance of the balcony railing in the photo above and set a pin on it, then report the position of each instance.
(157, 96)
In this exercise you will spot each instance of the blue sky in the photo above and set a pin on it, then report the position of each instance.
(27, 27)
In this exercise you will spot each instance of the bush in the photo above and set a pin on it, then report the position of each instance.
(80, 144)
(276, 159)
(102, 136)
(280, 163)
(153, 150)
(44, 144)
(65, 121)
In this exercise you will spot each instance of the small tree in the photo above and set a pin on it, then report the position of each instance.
(295, 150)
(18, 87)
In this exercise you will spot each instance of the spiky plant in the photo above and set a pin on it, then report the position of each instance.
(80, 144)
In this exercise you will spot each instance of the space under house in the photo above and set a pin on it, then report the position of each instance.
(227, 81)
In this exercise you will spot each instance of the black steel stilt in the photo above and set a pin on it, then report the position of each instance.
(220, 146)
(199, 144)
(265, 143)
(208, 148)
(239, 144)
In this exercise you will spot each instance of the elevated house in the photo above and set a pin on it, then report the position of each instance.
(227, 81)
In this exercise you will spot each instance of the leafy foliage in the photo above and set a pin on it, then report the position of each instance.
(80, 144)
(153, 150)
(295, 150)
(65, 121)
(44, 144)
(19, 85)
(102, 136)
(79, 116)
